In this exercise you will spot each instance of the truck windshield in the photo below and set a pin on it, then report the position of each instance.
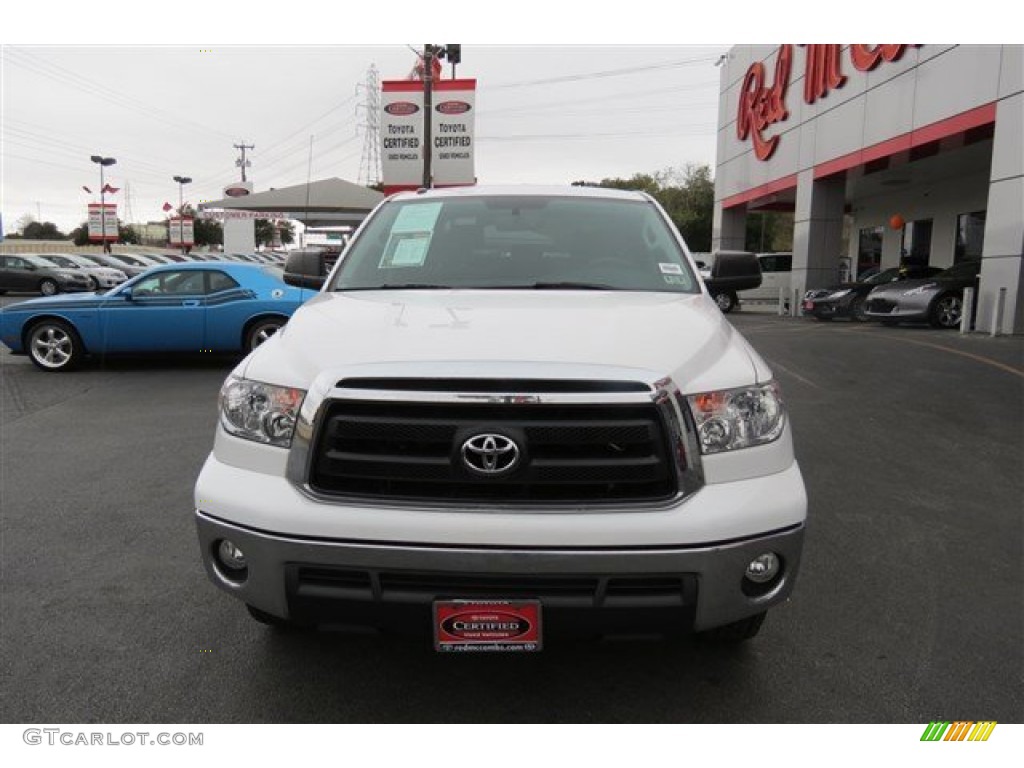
(517, 242)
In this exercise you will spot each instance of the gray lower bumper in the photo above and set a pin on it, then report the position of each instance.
(718, 568)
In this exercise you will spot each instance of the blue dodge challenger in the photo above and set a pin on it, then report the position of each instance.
(208, 306)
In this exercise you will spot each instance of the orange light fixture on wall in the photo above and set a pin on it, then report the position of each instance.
(896, 221)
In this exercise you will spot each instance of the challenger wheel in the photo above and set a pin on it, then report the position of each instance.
(262, 330)
(54, 346)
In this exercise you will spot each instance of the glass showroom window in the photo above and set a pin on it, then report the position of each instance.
(970, 236)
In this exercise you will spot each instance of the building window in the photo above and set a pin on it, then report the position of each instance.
(869, 251)
(917, 243)
(970, 236)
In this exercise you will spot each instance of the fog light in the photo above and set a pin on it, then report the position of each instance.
(231, 557)
(763, 568)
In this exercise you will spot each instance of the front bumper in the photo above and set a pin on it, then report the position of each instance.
(826, 307)
(889, 307)
(349, 582)
(75, 286)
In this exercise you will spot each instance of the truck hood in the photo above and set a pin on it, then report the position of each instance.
(508, 334)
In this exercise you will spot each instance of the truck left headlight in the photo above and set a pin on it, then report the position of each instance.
(261, 412)
(729, 419)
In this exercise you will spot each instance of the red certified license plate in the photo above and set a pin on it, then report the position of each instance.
(808, 305)
(487, 625)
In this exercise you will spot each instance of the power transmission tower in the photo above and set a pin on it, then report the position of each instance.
(129, 216)
(369, 166)
(241, 162)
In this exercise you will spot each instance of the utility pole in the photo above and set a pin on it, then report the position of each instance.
(428, 108)
(241, 162)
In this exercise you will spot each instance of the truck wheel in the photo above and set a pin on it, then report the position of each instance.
(726, 301)
(737, 632)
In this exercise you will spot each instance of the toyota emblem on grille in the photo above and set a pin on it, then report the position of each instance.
(490, 454)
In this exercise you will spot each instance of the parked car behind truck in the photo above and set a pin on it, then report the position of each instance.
(510, 413)
(776, 277)
(936, 300)
(729, 274)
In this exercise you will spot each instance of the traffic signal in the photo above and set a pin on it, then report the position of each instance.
(452, 52)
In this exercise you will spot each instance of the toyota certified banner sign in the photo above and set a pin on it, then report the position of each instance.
(102, 215)
(452, 128)
(180, 231)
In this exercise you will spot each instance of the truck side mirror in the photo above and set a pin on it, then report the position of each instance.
(305, 269)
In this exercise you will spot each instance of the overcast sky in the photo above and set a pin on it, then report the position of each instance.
(545, 114)
(625, 89)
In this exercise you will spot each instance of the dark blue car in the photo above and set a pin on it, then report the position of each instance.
(211, 307)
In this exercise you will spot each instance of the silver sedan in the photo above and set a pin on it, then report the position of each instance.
(937, 300)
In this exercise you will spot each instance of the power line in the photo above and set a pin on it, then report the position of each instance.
(64, 76)
(605, 73)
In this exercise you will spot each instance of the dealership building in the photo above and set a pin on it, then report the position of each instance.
(884, 154)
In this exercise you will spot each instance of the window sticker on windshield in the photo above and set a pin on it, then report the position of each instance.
(420, 217)
(674, 279)
(406, 251)
(670, 269)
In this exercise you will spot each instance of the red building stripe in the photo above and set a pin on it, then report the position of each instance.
(779, 185)
(951, 126)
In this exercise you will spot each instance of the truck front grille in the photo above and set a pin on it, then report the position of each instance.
(567, 454)
(325, 582)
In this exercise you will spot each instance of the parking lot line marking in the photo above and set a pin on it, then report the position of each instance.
(797, 376)
(879, 333)
(951, 350)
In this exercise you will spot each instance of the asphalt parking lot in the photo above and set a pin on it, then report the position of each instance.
(909, 607)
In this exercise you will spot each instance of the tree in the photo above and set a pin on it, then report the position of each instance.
(208, 232)
(687, 195)
(46, 230)
(23, 222)
(265, 232)
(80, 234)
(769, 231)
(128, 234)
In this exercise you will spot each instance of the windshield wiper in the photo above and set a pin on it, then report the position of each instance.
(557, 286)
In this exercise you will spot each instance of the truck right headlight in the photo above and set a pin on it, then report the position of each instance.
(738, 418)
(261, 412)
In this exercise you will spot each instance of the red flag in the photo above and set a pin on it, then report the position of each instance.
(420, 67)
(168, 207)
(87, 189)
(109, 189)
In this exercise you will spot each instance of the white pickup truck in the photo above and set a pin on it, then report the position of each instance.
(511, 413)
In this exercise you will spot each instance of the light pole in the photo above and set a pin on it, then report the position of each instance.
(103, 161)
(182, 181)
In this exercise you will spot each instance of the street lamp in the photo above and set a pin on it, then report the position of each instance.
(103, 161)
(182, 181)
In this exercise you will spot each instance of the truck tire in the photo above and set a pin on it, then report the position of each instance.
(726, 301)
